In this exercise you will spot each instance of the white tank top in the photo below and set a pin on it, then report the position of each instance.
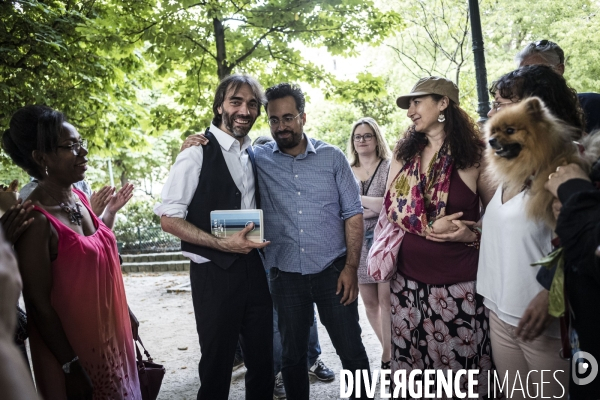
(510, 242)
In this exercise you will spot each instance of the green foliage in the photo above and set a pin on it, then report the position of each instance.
(437, 41)
(70, 56)
(145, 166)
(9, 172)
(331, 123)
(125, 72)
(138, 229)
(369, 95)
(196, 44)
(135, 77)
(509, 26)
(137, 213)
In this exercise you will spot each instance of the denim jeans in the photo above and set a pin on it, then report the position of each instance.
(293, 296)
(314, 348)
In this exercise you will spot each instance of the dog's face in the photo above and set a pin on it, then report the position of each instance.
(505, 148)
(513, 132)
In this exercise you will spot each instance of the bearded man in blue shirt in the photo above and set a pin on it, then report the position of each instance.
(313, 218)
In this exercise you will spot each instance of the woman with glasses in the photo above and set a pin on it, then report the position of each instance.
(524, 336)
(434, 190)
(369, 154)
(539, 81)
(80, 329)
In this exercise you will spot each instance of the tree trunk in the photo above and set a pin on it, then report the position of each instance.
(223, 68)
(124, 178)
(457, 75)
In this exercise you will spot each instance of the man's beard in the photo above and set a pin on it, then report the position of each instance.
(237, 131)
(288, 143)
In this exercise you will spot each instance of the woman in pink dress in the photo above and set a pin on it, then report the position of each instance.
(79, 323)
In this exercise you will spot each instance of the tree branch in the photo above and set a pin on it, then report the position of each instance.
(191, 39)
(251, 50)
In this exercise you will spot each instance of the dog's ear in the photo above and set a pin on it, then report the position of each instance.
(534, 107)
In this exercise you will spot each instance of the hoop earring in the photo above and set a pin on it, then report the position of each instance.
(441, 117)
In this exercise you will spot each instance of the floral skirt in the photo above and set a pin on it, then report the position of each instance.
(440, 327)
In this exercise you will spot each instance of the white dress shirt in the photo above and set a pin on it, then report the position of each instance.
(184, 176)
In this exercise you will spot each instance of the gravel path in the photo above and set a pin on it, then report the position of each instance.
(168, 329)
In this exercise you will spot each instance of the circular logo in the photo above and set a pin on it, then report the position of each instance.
(583, 364)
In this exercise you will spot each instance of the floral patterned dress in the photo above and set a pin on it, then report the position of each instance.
(441, 327)
(439, 322)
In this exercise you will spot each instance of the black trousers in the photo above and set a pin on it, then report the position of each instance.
(230, 305)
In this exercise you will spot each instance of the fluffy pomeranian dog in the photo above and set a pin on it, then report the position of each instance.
(526, 144)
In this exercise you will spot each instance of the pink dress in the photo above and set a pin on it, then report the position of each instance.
(89, 297)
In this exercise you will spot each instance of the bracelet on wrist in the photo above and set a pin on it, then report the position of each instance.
(430, 225)
(475, 243)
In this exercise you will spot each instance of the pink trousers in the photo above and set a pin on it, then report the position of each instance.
(527, 370)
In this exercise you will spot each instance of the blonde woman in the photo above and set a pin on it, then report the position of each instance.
(369, 154)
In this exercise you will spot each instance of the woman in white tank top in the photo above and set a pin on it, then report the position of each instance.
(525, 339)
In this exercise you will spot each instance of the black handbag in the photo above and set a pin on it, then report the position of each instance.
(150, 374)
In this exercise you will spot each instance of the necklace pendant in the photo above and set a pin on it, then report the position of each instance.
(76, 217)
(74, 212)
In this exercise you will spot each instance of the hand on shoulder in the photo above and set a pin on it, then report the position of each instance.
(197, 139)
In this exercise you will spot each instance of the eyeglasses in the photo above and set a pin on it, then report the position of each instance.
(496, 105)
(286, 121)
(541, 43)
(77, 146)
(367, 137)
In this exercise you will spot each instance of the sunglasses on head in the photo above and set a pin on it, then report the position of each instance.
(547, 45)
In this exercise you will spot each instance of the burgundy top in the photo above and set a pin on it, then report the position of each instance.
(443, 263)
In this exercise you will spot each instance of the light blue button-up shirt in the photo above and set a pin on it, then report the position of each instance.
(305, 200)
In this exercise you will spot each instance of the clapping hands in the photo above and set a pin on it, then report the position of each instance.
(106, 198)
(121, 198)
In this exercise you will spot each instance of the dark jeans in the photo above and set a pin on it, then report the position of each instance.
(230, 305)
(293, 296)
(314, 348)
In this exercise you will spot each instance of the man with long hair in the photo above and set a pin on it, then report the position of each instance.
(230, 292)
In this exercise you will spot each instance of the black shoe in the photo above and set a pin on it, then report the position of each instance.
(386, 365)
(321, 372)
(238, 362)
(279, 390)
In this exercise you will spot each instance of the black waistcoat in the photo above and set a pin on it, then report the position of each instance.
(216, 191)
